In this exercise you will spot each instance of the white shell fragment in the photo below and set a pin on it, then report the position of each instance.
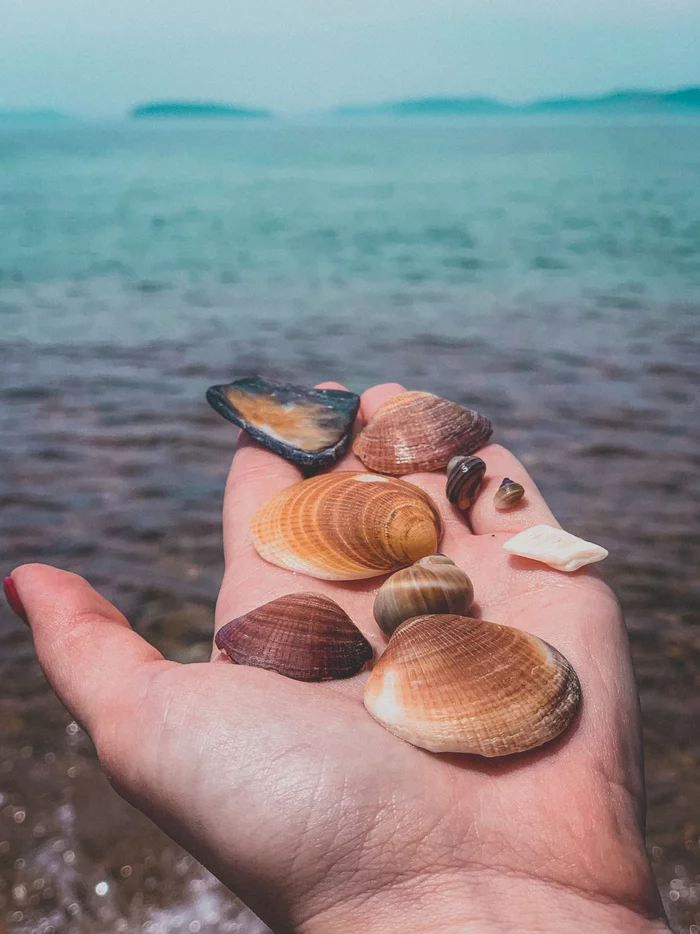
(559, 549)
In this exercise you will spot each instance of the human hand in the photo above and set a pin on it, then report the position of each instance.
(314, 814)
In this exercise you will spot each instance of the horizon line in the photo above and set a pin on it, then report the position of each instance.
(336, 109)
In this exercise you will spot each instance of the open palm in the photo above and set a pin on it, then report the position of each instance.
(312, 812)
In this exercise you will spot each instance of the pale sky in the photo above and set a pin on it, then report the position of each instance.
(100, 57)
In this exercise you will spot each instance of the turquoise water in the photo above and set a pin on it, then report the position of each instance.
(135, 232)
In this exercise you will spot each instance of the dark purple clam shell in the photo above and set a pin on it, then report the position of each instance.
(304, 636)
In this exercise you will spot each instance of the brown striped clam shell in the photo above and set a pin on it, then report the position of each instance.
(454, 684)
(464, 476)
(432, 585)
(347, 526)
(508, 494)
(419, 431)
(304, 635)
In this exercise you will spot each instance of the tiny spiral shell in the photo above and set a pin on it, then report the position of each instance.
(347, 526)
(464, 476)
(305, 636)
(508, 494)
(454, 684)
(419, 431)
(432, 585)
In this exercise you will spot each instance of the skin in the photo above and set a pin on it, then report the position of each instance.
(314, 814)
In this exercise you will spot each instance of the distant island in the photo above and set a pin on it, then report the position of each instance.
(202, 110)
(622, 102)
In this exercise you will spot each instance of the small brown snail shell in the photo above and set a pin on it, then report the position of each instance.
(303, 635)
(432, 585)
(347, 526)
(464, 476)
(419, 431)
(453, 684)
(508, 494)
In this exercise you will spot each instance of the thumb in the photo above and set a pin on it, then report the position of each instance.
(86, 648)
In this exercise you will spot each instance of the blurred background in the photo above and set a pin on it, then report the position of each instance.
(453, 197)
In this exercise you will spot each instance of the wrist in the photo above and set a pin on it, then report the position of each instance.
(489, 902)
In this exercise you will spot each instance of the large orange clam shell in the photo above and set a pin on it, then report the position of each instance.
(347, 526)
(455, 684)
(419, 431)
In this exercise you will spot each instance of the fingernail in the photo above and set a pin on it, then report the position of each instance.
(12, 597)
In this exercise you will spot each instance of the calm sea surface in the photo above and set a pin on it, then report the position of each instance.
(546, 274)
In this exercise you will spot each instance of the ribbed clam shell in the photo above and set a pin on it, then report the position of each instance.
(453, 684)
(303, 635)
(508, 494)
(464, 476)
(347, 526)
(419, 431)
(559, 549)
(432, 585)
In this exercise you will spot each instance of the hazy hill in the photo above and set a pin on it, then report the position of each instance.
(623, 102)
(429, 106)
(200, 109)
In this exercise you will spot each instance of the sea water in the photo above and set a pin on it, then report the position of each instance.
(545, 273)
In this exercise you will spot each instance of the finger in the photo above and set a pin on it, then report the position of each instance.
(347, 461)
(532, 508)
(372, 398)
(87, 649)
(255, 476)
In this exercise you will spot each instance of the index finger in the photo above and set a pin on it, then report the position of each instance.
(532, 508)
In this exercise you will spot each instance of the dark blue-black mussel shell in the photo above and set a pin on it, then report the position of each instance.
(310, 427)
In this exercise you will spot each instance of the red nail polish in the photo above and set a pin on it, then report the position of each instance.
(12, 597)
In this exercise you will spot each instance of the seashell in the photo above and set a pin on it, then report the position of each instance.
(432, 585)
(453, 684)
(347, 526)
(311, 427)
(508, 494)
(419, 431)
(303, 635)
(559, 549)
(464, 476)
